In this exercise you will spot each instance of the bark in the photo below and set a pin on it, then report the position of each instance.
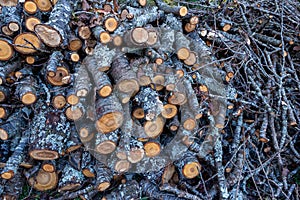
(103, 177)
(53, 32)
(49, 134)
(12, 164)
(72, 179)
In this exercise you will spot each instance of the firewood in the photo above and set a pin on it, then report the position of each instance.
(102, 58)
(169, 111)
(4, 93)
(82, 82)
(75, 112)
(177, 10)
(44, 181)
(136, 151)
(53, 32)
(16, 158)
(74, 142)
(12, 189)
(44, 5)
(55, 137)
(25, 91)
(125, 78)
(110, 23)
(138, 113)
(6, 50)
(182, 46)
(106, 143)
(84, 32)
(86, 131)
(101, 35)
(27, 43)
(136, 37)
(31, 22)
(103, 177)
(5, 30)
(154, 128)
(12, 18)
(8, 2)
(49, 166)
(30, 7)
(71, 179)
(4, 112)
(74, 43)
(109, 113)
(87, 165)
(152, 148)
(14, 125)
(189, 166)
(60, 77)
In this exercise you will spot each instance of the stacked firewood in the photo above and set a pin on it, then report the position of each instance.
(101, 99)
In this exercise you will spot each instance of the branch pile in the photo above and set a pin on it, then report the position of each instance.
(100, 99)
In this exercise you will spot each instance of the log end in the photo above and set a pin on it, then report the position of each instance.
(109, 122)
(106, 147)
(152, 149)
(6, 50)
(48, 35)
(43, 154)
(191, 170)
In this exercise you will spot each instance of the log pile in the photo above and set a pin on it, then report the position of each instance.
(111, 100)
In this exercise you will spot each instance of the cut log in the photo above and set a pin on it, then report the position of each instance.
(44, 180)
(30, 7)
(82, 82)
(152, 148)
(192, 59)
(103, 176)
(74, 43)
(58, 101)
(5, 30)
(188, 166)
(27, 43)
(136, 151)
(71, 179)
(187, 118)
(14, 125)
(26, 91)
(49, 166)
(192, 100)
(110, 114)
(44, 5)
(110, 23)
(136, 37)
(4, 93)
(4, 112)
(84, 32)
(169, 111)
(182, 46)
(154, 128)
(101, 80)
(124, 77)
(86, 131)
(138, 113)
(31, 22)
(16, 158)
(176, 10)
(71, 97)
(76, 112)
(101, 35)
(12, 17)
(61, 77)
(106, 143)
(174, 124)
(53, 33)
(6, 50)
(102, 58)
(49, 133)
(8, 2)
(87, 165)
